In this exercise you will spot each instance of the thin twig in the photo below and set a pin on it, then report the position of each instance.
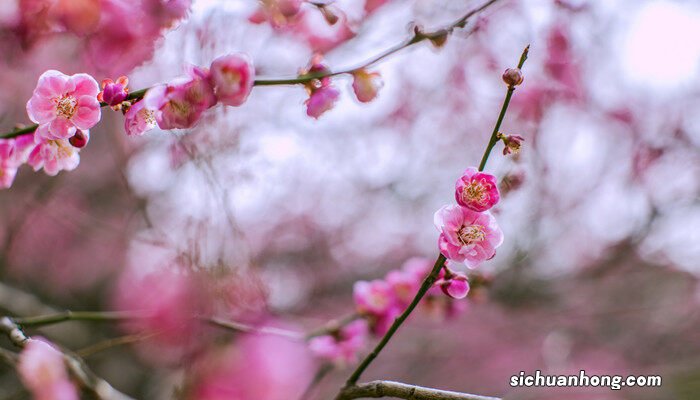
(322, 372)
(94, 316)
(378, 389)
(245, 328)
(427, 283)
(77, 367)
(494, 135)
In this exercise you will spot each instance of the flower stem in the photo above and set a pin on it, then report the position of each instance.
(427, 283)
(494, 135)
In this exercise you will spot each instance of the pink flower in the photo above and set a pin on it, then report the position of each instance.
(8, 166)
(321, 100)
(341, 347)
(43, 371)
(138, 119)
(375, 297)
(114, 93)
(168, 302)
(180, 104)
(54, 155)
(277, 12)
(512, 144)
(61, 104)
(477, 191)
(405, 282)
(265, 367)
(456, 285)
(232, 76)
(366, 85)
(467, 236)
(13, 153)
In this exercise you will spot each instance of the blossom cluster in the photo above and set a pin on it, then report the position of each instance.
(66, 107)
(323, 95)
(116, 35)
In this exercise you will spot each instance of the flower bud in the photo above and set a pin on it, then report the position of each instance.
(114, 93)
(366, 85)
(455, 286)
(80, 139)
(513, 77)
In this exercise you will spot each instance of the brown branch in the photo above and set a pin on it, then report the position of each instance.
(378, 389)
(100, 388)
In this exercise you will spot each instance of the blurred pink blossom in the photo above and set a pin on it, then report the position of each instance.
(43, 372)
(341, 347)
(232, 76)
(265, 367)
(138, 119)
(366, 85)
(13, 153)
(467, 236)
(375, 297)
(180, 103)
(477, 191)
(321, 100)
(167, 303)
(61, 104)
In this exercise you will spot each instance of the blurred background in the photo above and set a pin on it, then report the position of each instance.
(282, 213)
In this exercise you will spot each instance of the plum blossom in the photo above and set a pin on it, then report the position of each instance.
(277, 12)
(54, 155)
(467, 236)
(13, 153)
(321, 100)
(406, 281)
(167, 302)
(61, 104)
(180, 104)
(261, 367)
(342, 346)
(477, 191)
(114, 93)
(366, 85)
(322, 95)
(139, 119)
(377, 301)
(42, 370)
(512, 144)
(232, 76)
(375, 297)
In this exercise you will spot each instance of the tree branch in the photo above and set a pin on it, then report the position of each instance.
(418, 36)
(439, 263)
(76, 366)
(378, 389)
(427, 283)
